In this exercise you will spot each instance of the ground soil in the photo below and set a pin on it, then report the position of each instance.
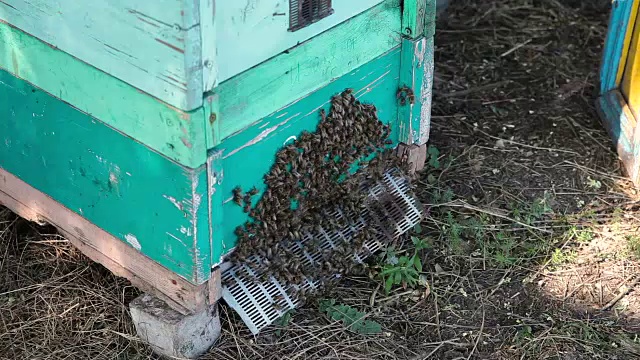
(532, 225)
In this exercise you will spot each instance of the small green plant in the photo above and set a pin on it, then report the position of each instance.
(524, 333)
(582, 235)
(593, 183)
(433, 154)
(283, 321)
(633, 245)
(352, 319)
(403, 270)
(454, 231)
(441, 197)
(560, 257)
(534, 211)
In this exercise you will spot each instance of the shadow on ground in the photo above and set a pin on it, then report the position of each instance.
(532, 249)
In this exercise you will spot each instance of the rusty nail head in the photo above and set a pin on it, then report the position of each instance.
(212, 117)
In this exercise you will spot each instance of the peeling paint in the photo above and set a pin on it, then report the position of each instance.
(176, 238)
(261, 136)
(186, 142)
(175, 202)
(426, 93)
(133, 241)
(185, 230)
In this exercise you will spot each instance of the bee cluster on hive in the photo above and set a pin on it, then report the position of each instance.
(318, 184)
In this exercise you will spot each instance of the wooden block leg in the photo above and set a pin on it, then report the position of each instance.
(415, 155)
(171, 333)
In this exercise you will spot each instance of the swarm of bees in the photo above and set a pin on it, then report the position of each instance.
(314, 187)
(405, 94)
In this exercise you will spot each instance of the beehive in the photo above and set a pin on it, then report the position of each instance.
(128, 124)
(619, 100)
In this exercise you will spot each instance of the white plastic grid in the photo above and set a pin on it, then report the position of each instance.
(254, 301)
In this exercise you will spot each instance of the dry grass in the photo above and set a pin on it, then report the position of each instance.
(533, 229)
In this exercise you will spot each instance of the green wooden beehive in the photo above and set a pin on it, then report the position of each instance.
(127, 124)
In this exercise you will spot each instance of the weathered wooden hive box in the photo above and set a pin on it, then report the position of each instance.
(619, 100)
(127, 124)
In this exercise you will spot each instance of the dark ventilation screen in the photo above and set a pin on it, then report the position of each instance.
(303, 13)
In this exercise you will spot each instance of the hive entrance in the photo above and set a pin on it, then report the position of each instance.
(259, 304)
(303, 13)
(332, 198)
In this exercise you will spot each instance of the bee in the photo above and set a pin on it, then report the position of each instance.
(254, 191)
(247, 199)
(237, 195)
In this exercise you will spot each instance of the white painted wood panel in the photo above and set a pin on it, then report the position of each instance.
(252, 31)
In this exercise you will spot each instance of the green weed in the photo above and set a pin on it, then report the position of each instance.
(433, 154)
(352, 319)
(284, 321)
(404, 270)
(633, 245)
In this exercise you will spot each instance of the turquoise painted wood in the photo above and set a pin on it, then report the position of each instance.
(248, 155)
(614, 44)
(158, 177)
(146, 200)
(217, 224)
(622, 128)
(413, 18)
(262, 29)
(174, 133)
(258, 92)
(155, 46)
(416, 73)
(418, 18)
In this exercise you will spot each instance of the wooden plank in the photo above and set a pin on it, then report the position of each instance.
(248, 155)
(418, 18)
(630, 83)
(626, 46)
(416, 73)
(260, 91)
(100, 246)
(174, 133)
(133, 193)
(623, 129)
(413, 18)
(430, 19)
(616, 43)
(262, 29)
(152, 45)
(215, 174)
(209, 42)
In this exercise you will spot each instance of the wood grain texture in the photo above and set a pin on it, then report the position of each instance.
(174, 133)
(413, 17)
(430, 18)
(248, 155)
(155, 205)
(100, 246)
(152, 45)
(416, 72)
(215, 174)
(262, 29)
(209, 41)
(260, 91)
(418, 18)
(623, 129)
